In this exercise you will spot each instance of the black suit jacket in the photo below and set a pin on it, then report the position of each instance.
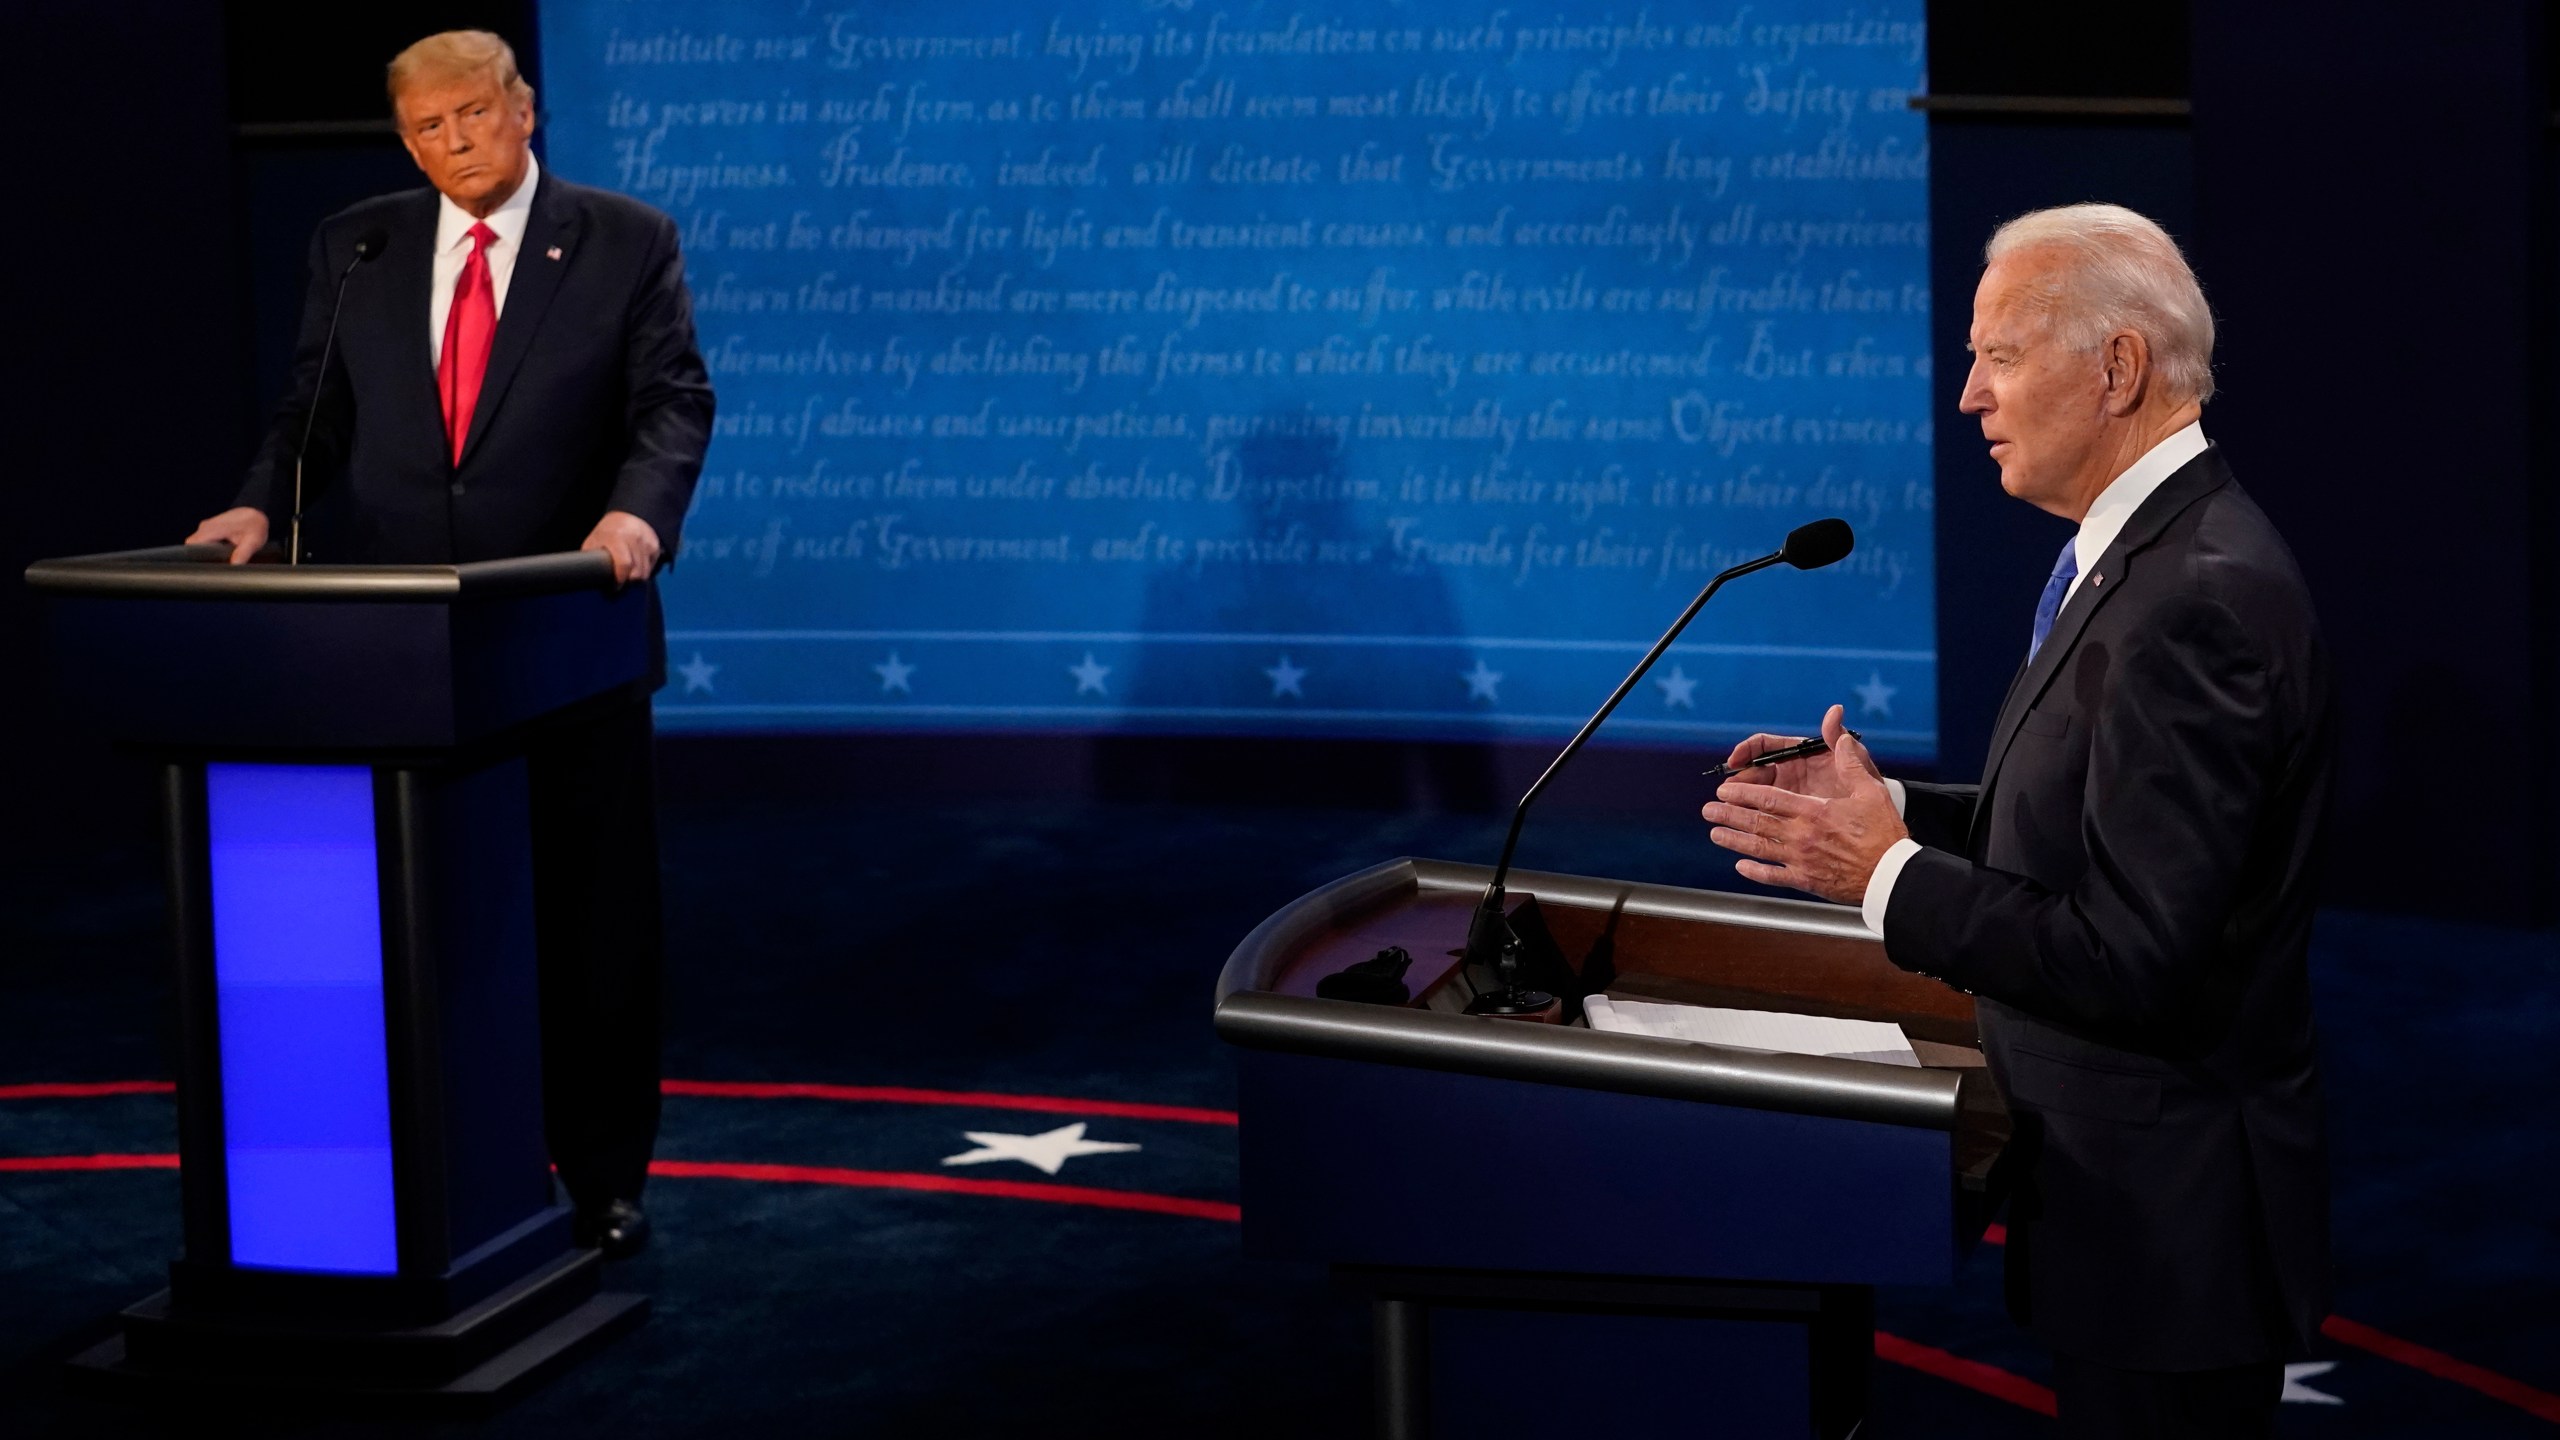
(595, 397)
(2129, 893)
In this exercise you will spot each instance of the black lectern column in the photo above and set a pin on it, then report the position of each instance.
(368, 1203)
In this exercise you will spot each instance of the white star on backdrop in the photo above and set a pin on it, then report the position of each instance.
(893, 674)
(1285, 678)
(1675, 689)
(1046, 1152)
(1875, 697)
(697, 673)
(1481, 681)
(1089, 676)
(2297, 1393)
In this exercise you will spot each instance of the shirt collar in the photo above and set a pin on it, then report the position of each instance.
(2124, 495)
(453, 223)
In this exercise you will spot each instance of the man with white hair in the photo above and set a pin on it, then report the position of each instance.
(2129, 892)
(517, 374)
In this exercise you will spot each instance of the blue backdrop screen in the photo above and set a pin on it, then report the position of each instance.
(1389, 369)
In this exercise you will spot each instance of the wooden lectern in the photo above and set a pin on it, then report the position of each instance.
(369, 1207)
(1564, 1231)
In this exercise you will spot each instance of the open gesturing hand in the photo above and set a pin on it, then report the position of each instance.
(1818, 824)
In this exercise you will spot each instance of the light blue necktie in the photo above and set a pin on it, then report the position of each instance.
(2066, 566)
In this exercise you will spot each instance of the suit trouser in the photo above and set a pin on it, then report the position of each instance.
(2101, 1402)
(598, 924)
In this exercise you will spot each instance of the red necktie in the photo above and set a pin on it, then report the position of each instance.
(468, 327)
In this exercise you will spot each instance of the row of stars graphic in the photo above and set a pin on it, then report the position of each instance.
(1679, 688)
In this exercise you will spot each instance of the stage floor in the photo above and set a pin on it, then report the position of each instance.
(862, 994)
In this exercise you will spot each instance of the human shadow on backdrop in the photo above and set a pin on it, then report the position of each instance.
(1285, 480)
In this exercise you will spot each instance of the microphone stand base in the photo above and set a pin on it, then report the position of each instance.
(1536, 1006)
(1539, 967)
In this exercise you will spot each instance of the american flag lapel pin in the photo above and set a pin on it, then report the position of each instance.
(553, 252)
(2094, 580)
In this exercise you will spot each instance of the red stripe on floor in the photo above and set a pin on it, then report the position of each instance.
(1988, 1379)
(25, 1163)
(2538, 1403)
(83, 1092)
(780, 1174)
(764, 1090)
(975, 1099)
(950, 1185)
(1991, 1380)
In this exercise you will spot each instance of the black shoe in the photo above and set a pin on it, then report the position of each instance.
(620, 1230)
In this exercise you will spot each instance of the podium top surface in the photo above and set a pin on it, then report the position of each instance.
(1669, 943)
(178, 650)
(203, 572)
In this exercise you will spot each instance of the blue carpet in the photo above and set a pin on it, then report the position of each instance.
(1065, 950)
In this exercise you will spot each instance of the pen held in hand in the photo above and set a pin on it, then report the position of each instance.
(1798, 751)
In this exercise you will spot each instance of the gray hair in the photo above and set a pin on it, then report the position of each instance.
(2124, 273)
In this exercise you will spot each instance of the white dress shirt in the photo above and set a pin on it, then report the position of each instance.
(453, 246)
(2098, 530)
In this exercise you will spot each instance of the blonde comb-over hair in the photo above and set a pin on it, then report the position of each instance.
(457, 55)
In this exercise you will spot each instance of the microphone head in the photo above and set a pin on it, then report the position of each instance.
(371, 244)
(1823, 542)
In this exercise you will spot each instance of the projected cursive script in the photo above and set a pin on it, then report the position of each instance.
(1393, 369)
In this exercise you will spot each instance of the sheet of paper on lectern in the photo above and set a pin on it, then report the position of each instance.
(1764, 1030)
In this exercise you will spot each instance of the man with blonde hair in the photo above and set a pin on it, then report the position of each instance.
(516, 374)
(2129, 892)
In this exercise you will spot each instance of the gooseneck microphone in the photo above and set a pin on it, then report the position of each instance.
(1492, 947)
(369, 246)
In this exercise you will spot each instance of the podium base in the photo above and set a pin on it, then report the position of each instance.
(1649, 1358)
(472, 1364)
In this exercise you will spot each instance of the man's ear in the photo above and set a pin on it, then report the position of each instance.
(2128, 371)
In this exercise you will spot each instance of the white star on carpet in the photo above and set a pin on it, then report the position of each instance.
(1285, 678)
(893, 674)
(2297, 1393)
(1675, 689)
(1481, 681)
(1089, 676)
(697, 673)
(1046, 1152)
(1875, 697)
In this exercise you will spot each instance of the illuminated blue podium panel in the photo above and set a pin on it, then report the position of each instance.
(1564, 1231)
(368, 1202)
(296, 900)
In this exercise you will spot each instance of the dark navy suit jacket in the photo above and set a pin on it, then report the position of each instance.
(2129, 893)
(595, 397)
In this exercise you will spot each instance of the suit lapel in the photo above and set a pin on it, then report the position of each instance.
(551, 227)
(411, 261)
(2192, 482)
